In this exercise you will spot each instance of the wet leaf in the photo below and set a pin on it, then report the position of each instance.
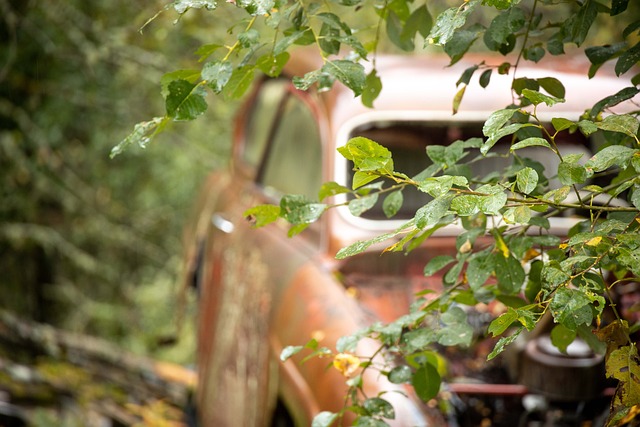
(262, 215)
(324, 419)
(527, 180)
(351, 74)
(372, 88)
(298, 209)
(217, 74)
(437, 263)
(379, 407)
(612, 100)
(289, 351)
(503, 342)
(537, 98)
(185, 100)
(432, 212)
(622, 123)
(400, 374)
(360, 205)
(449, 21)
(614, 155)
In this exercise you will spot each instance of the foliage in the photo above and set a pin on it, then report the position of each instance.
(84, 241)
(533, 273)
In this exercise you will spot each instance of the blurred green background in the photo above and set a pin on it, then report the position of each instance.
(90, 244)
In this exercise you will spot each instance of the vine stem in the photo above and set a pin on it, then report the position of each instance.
(237, 43)
(524, 41)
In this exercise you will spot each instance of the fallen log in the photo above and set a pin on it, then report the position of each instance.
(44, 366)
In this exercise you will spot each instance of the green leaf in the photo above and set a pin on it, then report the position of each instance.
(360, 179)
(289, 351)
(392, 203)
(572, 173)
(628, 59)
(466, 205)
(502, 322)
(614, 155)
(272, 65)
(294, 37)
(530, 142)
(256, 7)
(367, 155)
(449, 21)
(191, 76)
(558, 195)
(497, 120)
(466, 75)
(493, 201)
(485, 78)
(400, 375)
(622, 123)
(362, 204)
(509, 273)
(297, 209)
(262, 215)
(534, 53)
(504, 25)
(437, 263)
(499, 4)
(372, 88)
(379, 408)
(185, 100)
(522, 83)
(598, 55)
(206, 50)
(429, 215)
(622, 364)
(324, 419)
(349, 73)
(331, 188)
(240, 81)
(181, 6)
(217, 74)
(395, 32)
(537, 98)
(347, 343)
(479, 269)
(571, 308)
(610, 101)
(560, 124)
(362, 246)
(579, 24)
(503, 342)
(426, 382)
(527, 180)
(327, 40)
(505, 131)
(460, 43)
(457, 330)
(553, 275)
(561, 337)
(553, 86)
(420, 21)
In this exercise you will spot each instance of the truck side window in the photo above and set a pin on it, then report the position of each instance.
(293, 163)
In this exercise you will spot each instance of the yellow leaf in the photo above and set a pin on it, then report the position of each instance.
(346, 363)
(595, 241)
(502, 246)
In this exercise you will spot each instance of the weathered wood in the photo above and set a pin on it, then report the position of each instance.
(41, 364)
